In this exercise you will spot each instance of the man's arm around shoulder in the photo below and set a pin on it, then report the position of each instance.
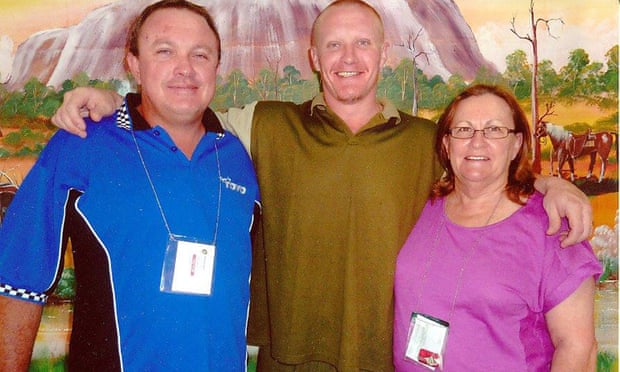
(85, 101)
(19, 322)
(238, 121)
(563, 199)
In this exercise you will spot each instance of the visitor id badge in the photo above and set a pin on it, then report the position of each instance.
(188, 267)
(426, 341)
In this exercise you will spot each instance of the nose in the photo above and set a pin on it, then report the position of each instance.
(479, 131)
(350, 54)
(184, 66)
(478, 138)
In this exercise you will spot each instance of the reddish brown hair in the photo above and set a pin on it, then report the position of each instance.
(520, 175)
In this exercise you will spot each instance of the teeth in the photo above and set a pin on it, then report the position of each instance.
(347, 74)
(476, 157)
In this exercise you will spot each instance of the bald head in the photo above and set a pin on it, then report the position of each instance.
(337, 5)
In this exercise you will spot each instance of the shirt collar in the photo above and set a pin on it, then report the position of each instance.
(128, 114)
(389, 112)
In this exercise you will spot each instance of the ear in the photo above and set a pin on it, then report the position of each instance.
(314, 59)
(446, 142)
(517, 145)
(134, 66)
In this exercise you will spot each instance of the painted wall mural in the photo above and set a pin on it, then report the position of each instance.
(437, 47)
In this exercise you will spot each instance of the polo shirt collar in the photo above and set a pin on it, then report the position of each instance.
(128, 114)
(389, 113)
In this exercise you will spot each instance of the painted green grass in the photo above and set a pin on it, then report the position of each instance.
(606, 362)
(47, 365)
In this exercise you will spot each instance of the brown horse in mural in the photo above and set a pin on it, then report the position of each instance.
(568, 146)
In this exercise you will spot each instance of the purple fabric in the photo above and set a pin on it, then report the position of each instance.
(513, 276)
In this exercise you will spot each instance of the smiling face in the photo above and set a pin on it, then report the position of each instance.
(348, 50)
(176, 67)
(479, 161)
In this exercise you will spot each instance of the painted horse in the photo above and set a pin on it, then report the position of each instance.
(568, 146)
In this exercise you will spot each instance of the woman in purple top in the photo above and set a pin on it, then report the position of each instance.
(479, 285)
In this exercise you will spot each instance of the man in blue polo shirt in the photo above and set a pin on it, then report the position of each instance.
(158, 204)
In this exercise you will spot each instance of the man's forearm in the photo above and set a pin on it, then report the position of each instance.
(19, 322)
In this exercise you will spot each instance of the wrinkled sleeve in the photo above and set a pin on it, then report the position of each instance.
(238, 121)
(31, 236)
(565, 269)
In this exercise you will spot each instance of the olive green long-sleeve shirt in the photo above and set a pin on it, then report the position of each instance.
(337, 207)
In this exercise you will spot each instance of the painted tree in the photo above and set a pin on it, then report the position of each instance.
(273, 55)
(289, 82)
(237, 90)
(518, 73)
(574, 73)
(4, 93)
(264, 83)
(415, 55)
(387, 75)
(532, 38)
(548, 79)
(610, 77)
(403, 73)
(291, 75)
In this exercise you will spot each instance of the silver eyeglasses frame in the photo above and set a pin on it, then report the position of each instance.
(493, 132)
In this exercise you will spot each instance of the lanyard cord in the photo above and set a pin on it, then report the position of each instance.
(157, 200)
(459, 281)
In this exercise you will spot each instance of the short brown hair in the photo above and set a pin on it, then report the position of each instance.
(520, 175)
(136, 26)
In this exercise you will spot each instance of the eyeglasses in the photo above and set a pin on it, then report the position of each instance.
(488, 132)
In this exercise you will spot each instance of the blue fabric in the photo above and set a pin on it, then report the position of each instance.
(155, 330)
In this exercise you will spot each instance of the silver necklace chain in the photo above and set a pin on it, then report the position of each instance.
(465, 262)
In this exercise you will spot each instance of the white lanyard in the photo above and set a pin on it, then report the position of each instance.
(465, 261)
(157, 200)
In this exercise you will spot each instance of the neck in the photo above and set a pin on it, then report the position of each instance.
(185, 132)
(355, 114)
(477, 211)
(186, 138)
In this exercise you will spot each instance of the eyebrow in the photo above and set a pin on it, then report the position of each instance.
(171, 42)
(485, 123)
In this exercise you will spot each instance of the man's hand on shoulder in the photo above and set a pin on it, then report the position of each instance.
(82, 102)
(563, 199)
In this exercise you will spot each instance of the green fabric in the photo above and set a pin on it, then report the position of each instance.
(337, 207)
